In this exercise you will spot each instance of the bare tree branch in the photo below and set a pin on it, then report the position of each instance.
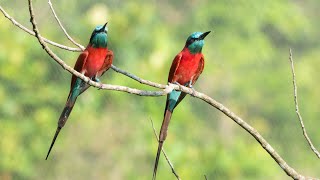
(14, 22)
(136, 78)
(164, 153)
(61, 26)
(168, 88)
(295, 93)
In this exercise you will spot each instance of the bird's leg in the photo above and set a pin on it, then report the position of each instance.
(189, 84)
(96, 79)
(176, 83)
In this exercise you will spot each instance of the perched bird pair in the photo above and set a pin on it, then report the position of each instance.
(97, 58)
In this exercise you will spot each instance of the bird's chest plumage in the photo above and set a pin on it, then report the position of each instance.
(95, 60)
(187, 68)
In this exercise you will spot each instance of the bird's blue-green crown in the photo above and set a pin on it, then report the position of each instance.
(99, 37)
(195, 41)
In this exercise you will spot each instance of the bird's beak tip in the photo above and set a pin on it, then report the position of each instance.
(203, 35)
(104, 26)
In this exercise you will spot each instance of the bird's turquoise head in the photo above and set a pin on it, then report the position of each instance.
(99, 37)
(195, 41)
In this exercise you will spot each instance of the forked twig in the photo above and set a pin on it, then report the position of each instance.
(63, 29)
(14, 22)
(295, 93)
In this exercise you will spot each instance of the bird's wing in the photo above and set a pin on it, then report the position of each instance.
(81, 61)
(199, 70)
(174, 67)
(107, 63)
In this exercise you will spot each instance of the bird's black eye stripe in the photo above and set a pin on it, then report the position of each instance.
(101, 30)
(194, 39)
(191, 40)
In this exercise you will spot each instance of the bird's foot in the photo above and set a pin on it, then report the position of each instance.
(193, 90)
(176, 83)
(95, 79)
(189, 85)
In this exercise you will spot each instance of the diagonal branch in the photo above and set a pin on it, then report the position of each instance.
(164, 153)
(295, 93)
(136, 78)
(286, 168)
(61, 26)
(14, 22)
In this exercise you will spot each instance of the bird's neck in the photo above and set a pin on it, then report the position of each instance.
(99, 41)
(94, 47)
(190, 52)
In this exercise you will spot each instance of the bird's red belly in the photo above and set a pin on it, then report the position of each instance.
(95, 61)
(187, 70)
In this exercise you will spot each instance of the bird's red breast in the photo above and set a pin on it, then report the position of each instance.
(186, 67)
(95, 60)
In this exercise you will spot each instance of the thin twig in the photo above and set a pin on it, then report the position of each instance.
(205, 177)
(61, 26)
(14, 22)
(136, 78)
(164, 153)
(295, 92)
(286, 168)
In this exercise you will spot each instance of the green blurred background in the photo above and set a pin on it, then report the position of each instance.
(109, 135)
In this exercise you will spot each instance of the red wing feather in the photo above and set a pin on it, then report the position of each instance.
(81, 61)
(199, 70)
(174, 67)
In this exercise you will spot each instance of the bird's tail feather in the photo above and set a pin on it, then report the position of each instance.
(62, 120)
(74, 93)
(162, 137)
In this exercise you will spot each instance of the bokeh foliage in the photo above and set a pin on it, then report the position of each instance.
(109, 135)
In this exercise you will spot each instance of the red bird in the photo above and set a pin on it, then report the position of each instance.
(92, 62)
(185, 70)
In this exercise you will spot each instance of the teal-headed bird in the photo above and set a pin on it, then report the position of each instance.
(185, 70)
(92, 62)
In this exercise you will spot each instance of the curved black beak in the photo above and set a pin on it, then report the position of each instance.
(104, 26)
(203, 35)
